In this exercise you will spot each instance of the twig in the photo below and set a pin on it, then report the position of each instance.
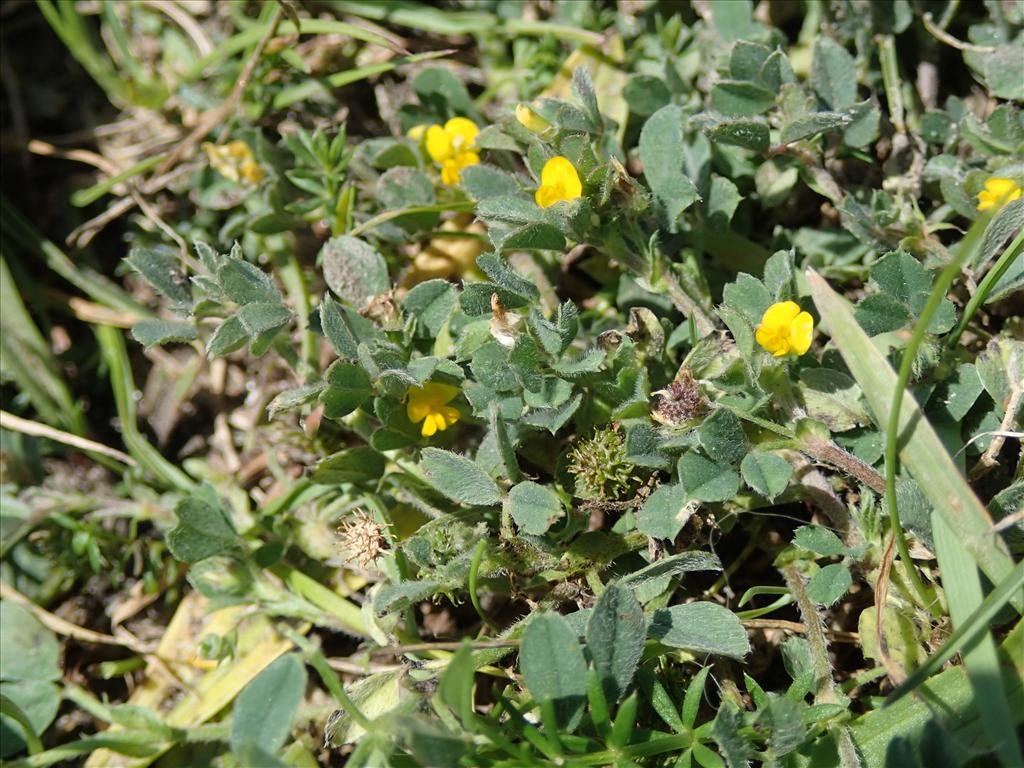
(831, 453)
(62, 627)
(34, 428)
(838, 635)
(988, 461)
(825, 692)
(944, 36)
(398, 650)
(187, 24)
(892, 669)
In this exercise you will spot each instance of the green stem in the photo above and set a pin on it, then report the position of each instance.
(892, 428)
(121, 381)
(985, 288)
(474, 572)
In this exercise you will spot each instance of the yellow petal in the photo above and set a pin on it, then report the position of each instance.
(800, 332)
(461, 132)
(998, 192)
(466, 159)
(546, 196)
(559, 171)
(429, 428)
(780, 314)
(530, 120)
(450, 173)
(439, 144)
(444, 393)
(417, 409)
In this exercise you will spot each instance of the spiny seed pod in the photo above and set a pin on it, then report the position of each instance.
(601, 468)
(680, 403)
(362, 538)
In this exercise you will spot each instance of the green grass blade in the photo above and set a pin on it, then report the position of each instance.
(964, 633)
(962, 583)
(921, 450)
(97, 287)
(123, 384)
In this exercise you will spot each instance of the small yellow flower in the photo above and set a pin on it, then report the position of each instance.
(417, 132)
(429, 404)
(997, 193)
(234, 161)
(558, 181)
(530, 120)
(451, 146)
(785, 329)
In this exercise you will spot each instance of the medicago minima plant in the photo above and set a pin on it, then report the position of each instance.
(660, 407)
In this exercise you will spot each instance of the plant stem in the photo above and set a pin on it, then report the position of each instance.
(938, 293)
(985, 288)
(826, 687)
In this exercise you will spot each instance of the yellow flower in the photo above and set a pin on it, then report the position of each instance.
(451, 147)
(234, 161)
(429, 404)
(997, 193)
(558, 181)
(530, 120)
(785, 329)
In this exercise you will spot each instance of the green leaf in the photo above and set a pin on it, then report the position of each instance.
(722, 436)
(741, 99)
(810, 125)
(203, 530)
(748, 296)
(348, 387)
(262, 716)
(354, 270)
(615, 639)
(646, 94)
(161, 268)
(30, 650)
(962, 584)
(701, 628)
(245, 283)
(502, 274)
(398, 597)
(295, 398)
(535, 508)
(153, 333)
(673, 565)
(442, 92)
(262, 316)
(37, 702)
(484, 181)
(553, 419)
(834, 398)
(539, 236)
(766, 473)
(833, 74)
(863, 128)
(922, 452)
(818, 539)
(456, 687)
(706, 480)
(661, 145)
(752, 134)
(431, 303)
(361, 464)
(458, 478)
(583, 90)
(881, 313)
(664, 513)
(1002, 70)
(553, 667)
(955, 396)
(229, 336)
(829, 584)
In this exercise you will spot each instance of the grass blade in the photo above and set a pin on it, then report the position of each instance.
(963, 590)
(921, 450)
